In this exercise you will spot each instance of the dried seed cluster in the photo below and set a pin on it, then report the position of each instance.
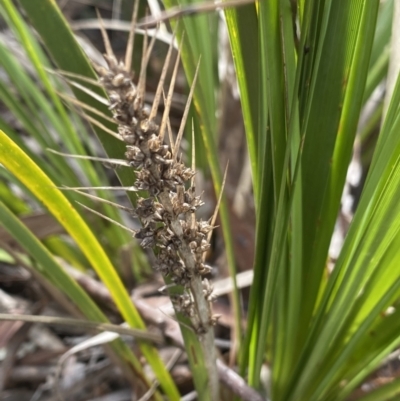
(168, 214)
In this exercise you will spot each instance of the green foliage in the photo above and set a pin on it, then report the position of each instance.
(22, 167)
(39, 177)
(305, 69)
(316, 327)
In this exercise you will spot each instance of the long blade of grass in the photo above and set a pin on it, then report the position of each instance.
(20, 165)
(242, 27)
(320, 206)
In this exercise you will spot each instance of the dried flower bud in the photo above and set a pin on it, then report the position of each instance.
(118, 80)
(214, 319)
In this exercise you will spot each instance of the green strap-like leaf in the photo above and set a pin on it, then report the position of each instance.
(20, 165)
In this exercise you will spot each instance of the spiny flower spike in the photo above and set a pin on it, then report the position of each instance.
(169, 223)
(162, 175)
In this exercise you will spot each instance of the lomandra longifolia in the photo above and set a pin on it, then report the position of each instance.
(168, 213)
